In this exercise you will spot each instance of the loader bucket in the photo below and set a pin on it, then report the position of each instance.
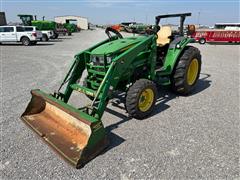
(72, 133)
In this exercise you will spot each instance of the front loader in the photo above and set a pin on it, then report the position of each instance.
(135, 65)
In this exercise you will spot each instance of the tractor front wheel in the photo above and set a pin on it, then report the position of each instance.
(141, 98)
(186, 71)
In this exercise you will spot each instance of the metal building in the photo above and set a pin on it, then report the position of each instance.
(3, 20)
(81, 22)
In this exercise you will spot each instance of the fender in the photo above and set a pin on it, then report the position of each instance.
(175, 49)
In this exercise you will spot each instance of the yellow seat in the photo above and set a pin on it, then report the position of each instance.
(163, 36)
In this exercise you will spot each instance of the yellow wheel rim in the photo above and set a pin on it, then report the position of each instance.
(192, 72)
(146, 100)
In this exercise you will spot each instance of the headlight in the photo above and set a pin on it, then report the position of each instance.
(100, 59)
(178, 46)
(109, 60)
(97, 60)
(94, 59)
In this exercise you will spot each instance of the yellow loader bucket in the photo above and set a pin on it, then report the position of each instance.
(74, 134)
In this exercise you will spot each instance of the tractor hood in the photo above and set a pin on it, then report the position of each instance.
(118, 45)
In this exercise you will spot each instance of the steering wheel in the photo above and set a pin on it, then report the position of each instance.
(114, 31)
(152, 30)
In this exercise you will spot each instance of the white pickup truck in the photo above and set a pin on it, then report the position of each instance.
(46, 34)
(18, 34)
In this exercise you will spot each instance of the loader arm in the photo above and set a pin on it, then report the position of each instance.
(75, 71)
(119, 66)
(113, 74)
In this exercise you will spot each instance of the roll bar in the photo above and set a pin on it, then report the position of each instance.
(181, 15)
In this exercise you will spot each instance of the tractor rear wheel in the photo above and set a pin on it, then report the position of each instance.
(186, 71)
(141, 98)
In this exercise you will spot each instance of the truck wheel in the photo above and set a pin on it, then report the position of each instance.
(44, 37)
(202, 41)
(56, 36)
(186, 71)
(141, 98)
(26, 41)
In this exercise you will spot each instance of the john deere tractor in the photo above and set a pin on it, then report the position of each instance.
(42, 25)
(134, 65)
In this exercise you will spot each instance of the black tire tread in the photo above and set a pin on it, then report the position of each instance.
(25, 38)
(178, 79)
(133, 95)
(45, 39)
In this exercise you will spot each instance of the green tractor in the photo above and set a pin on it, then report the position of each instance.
(138, 28)
(42, 25)
(70, 27)
(134, 65)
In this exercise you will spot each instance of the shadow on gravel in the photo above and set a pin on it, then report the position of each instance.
(56, 40)
(218, 43)
(203, 83)
(44, 44)
(222, 43)
(164, 95)
(114, 139)
(64, 38)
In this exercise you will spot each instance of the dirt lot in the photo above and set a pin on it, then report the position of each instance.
(193, 137)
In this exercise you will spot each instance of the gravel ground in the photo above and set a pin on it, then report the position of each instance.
(193, 137)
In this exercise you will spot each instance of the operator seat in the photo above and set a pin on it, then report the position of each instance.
(164, 36)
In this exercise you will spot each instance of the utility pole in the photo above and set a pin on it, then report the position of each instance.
(198, 18)
(166, 20)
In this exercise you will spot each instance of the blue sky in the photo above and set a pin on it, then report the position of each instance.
(109, 11)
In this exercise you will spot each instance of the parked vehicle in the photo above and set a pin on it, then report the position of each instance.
(71, 27)
(33, 29)
(18, 34)
(214, 35)
(45, 35)
(117, 27)
(228, 26)
(48, 28)
(221, 33)
(61, 30)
